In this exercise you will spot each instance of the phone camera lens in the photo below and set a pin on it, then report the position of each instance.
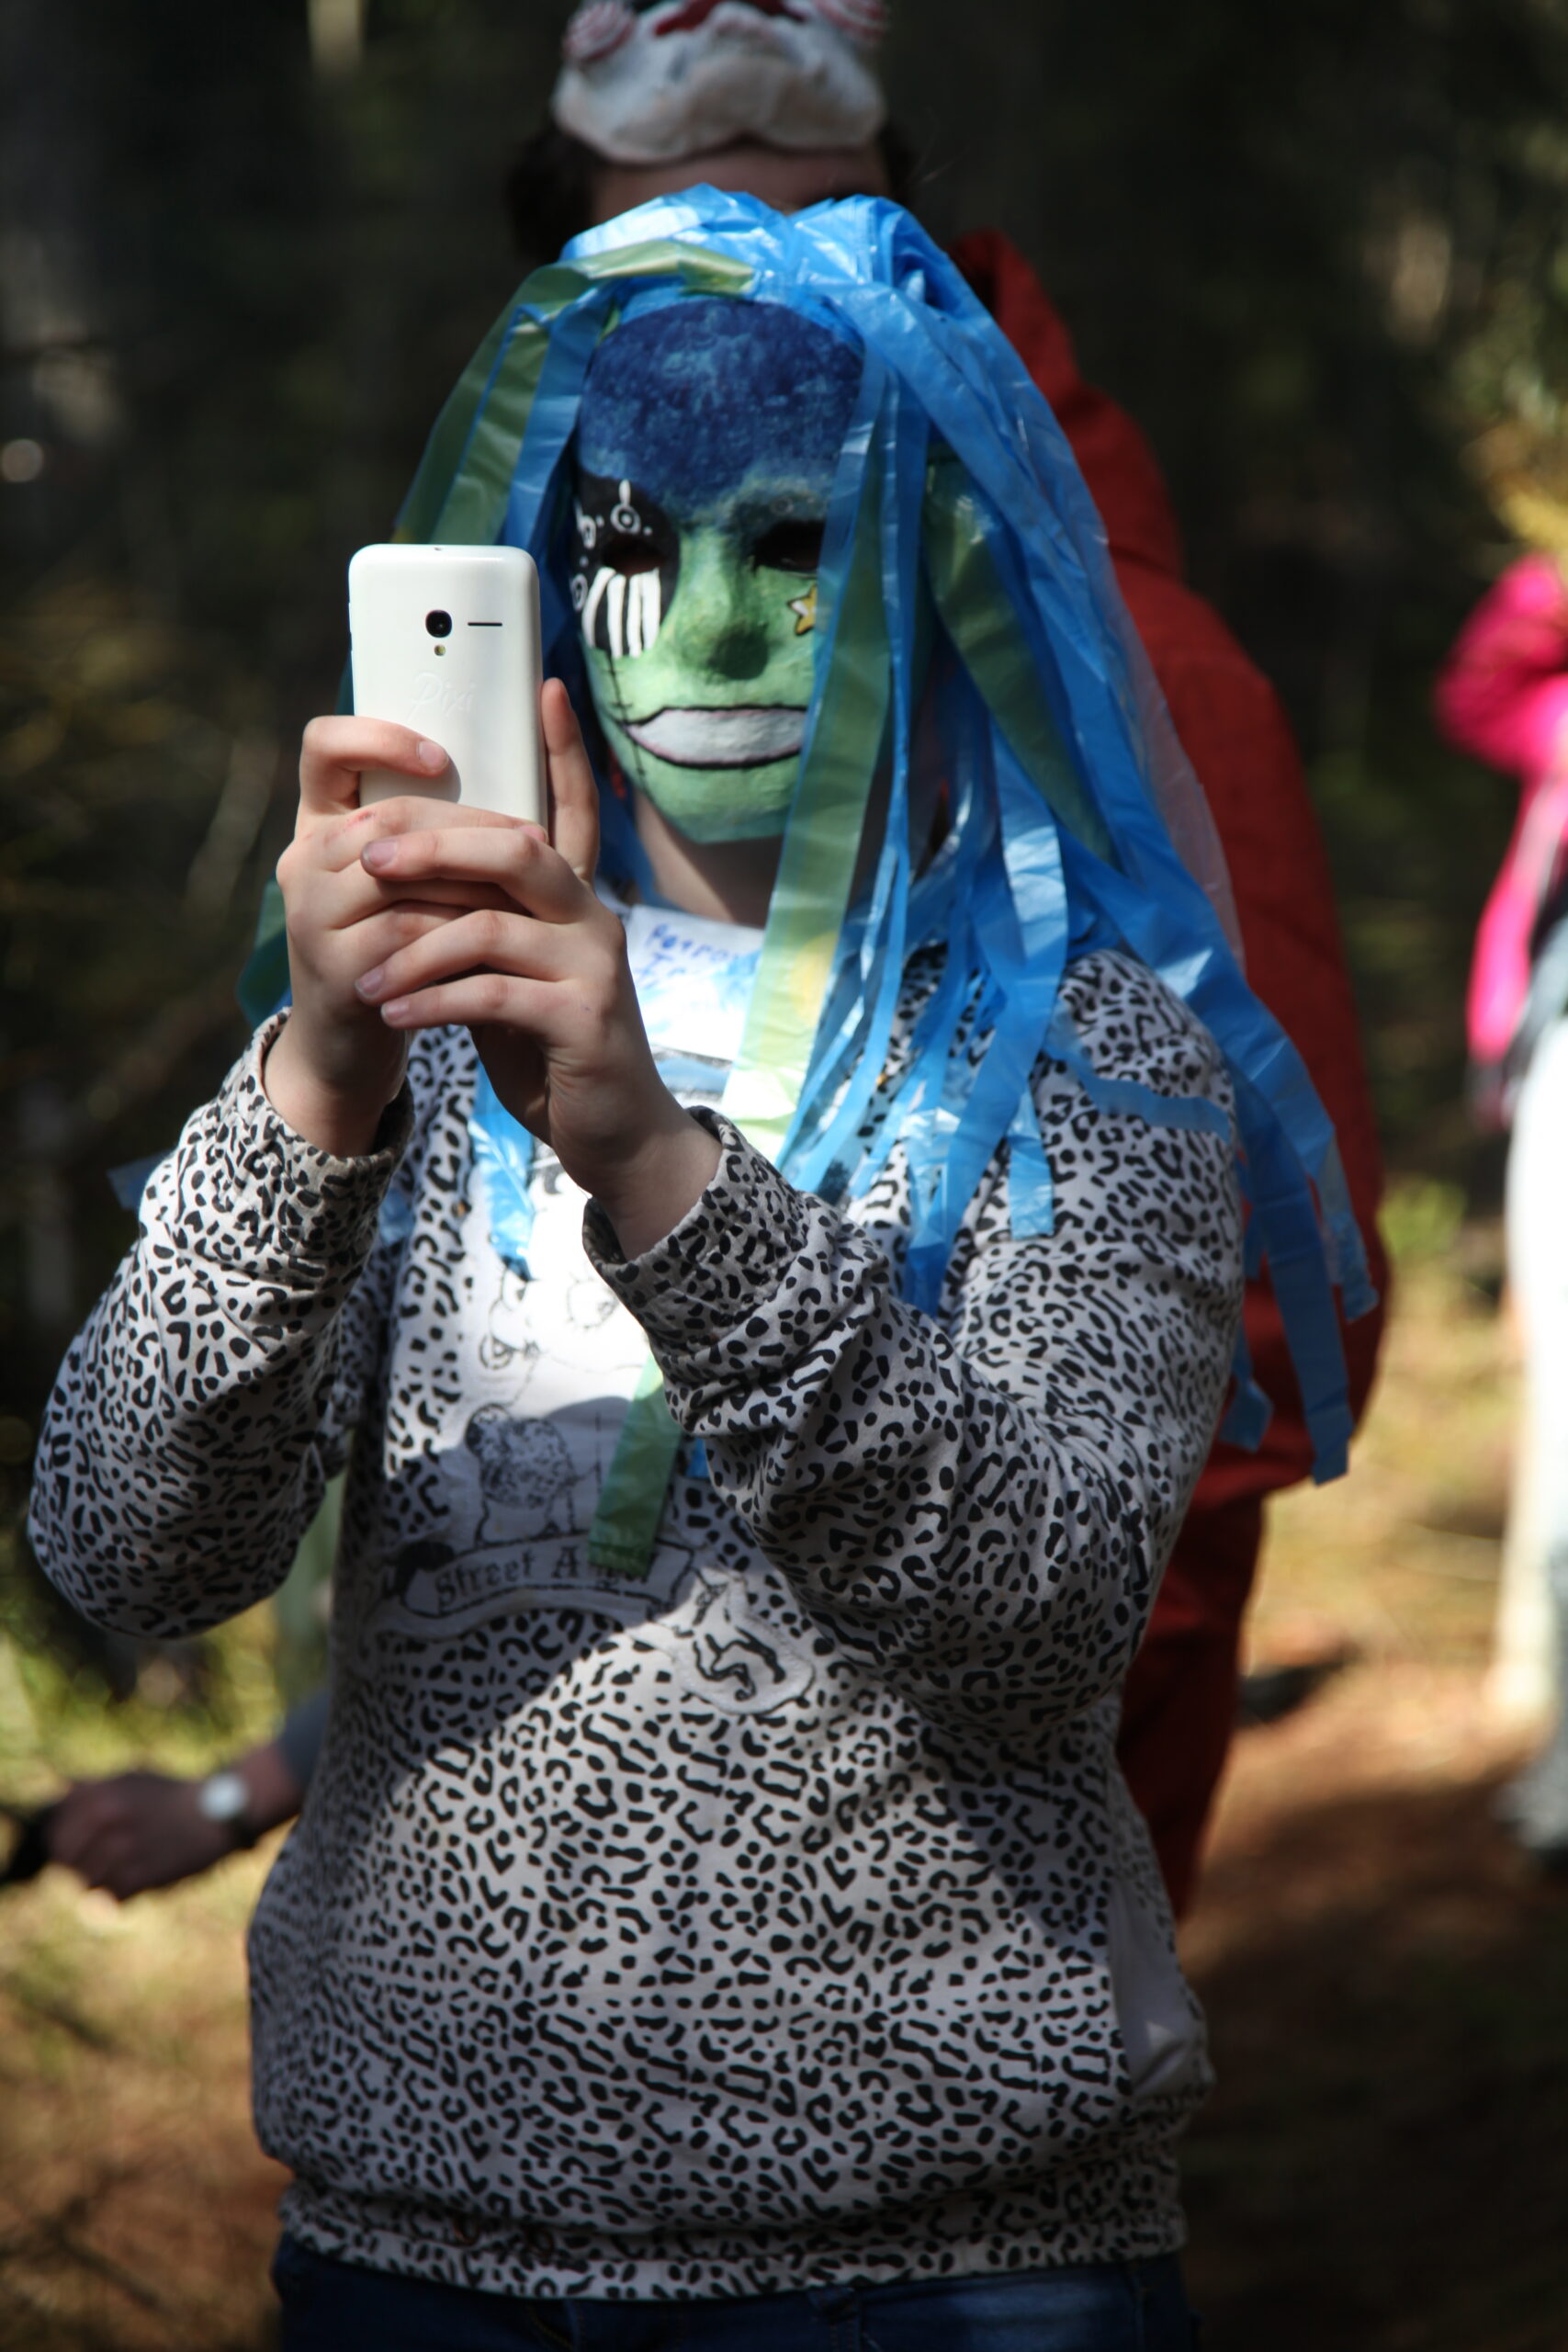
(438, 624)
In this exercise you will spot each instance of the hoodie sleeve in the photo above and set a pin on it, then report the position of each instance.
(979, 1503)
(210, 1396)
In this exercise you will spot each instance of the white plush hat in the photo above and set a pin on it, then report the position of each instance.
(655, 81)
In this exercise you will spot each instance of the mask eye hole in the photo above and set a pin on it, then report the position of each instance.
(618, 552)
(789, 546)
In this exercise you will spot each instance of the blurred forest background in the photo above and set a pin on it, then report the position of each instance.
(1321, 254)
(1320, 251)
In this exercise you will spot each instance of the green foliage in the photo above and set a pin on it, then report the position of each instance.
(234, 294)
(1421, 1220)
(244, 292)
(1322, 256)
(74, 1708)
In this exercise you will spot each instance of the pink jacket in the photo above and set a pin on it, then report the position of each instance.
(1503, 695)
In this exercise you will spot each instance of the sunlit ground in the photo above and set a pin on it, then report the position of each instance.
(1384, 2167)
(136, 2210)
(1385, 2163)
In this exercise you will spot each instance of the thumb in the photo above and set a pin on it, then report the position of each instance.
(574, 796)
(336, 751)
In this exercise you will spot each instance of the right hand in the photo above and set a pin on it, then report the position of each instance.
(136, 1831)
(139, 1830)
(336, 1065)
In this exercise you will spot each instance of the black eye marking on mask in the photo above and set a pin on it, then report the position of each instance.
(624, 565)
(790, 546)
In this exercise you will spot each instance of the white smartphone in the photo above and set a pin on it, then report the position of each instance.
(447, 640)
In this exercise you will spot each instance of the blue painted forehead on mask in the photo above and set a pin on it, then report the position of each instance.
(690, 400)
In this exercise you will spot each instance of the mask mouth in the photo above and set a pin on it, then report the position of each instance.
(737, 736)
(738, 19)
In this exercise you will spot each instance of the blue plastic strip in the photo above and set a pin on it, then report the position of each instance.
(394, 1219)
(534, 522)
(689, 1074)
(1126, 1098)
(1022, 924)
(552, 420)
(1249, 1412)
(504, 1161)
(1008, 898)
(882, 939)
(943, 914)
(942, 897)
(1165, 916)
(1294, 1252)
(130, 1180)
(1032, 1207)
(1285, 1229)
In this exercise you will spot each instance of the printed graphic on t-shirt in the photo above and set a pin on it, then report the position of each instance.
(547, 1360)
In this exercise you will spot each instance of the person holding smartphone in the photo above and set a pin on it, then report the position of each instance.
(773, 1235)
(652, 100)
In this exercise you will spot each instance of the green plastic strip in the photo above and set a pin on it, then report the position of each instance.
(978, 616)
(263, 983)
(805, 917)
(441, 465)
(621, 1538)
(821, 848)
(474, 508)
(459, 494)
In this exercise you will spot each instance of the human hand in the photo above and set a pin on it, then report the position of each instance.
(538, 971)
(136, 1831)
(139, 1830)
(336, 1067)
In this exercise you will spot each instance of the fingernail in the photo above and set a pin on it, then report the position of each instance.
(378, 855)
(369, 982)
(397, 1010)
(431, 756)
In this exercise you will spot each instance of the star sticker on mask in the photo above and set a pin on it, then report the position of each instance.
(805, 611)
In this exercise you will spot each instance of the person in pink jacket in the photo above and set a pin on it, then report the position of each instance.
(1503, 695)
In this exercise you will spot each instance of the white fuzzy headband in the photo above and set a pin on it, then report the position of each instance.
(655, 81)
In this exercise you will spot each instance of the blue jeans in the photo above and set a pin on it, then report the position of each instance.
(1114, 2307)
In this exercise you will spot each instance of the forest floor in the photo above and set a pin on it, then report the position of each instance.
(1383, 2166)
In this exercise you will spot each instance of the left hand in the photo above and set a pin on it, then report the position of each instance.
(135, 1831)
(544, 983)
(138, 1830)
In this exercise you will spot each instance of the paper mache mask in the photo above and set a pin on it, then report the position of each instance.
(707, 444)
(655, 81)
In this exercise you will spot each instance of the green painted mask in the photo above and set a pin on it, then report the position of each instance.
(708, 442)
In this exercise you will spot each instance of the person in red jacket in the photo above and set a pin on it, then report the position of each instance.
(656, 96)
(1179, 1705)
(653, 99)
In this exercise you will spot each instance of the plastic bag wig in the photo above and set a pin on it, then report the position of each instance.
(1065, 781)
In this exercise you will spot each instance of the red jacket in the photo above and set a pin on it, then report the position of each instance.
(1181, 1695)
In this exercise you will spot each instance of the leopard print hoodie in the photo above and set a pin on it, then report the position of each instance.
(782, 1918)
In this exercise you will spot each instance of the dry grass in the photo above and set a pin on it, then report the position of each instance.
(1384, 2167)
(135, 2211)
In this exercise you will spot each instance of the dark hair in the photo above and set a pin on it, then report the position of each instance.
(549, 193)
